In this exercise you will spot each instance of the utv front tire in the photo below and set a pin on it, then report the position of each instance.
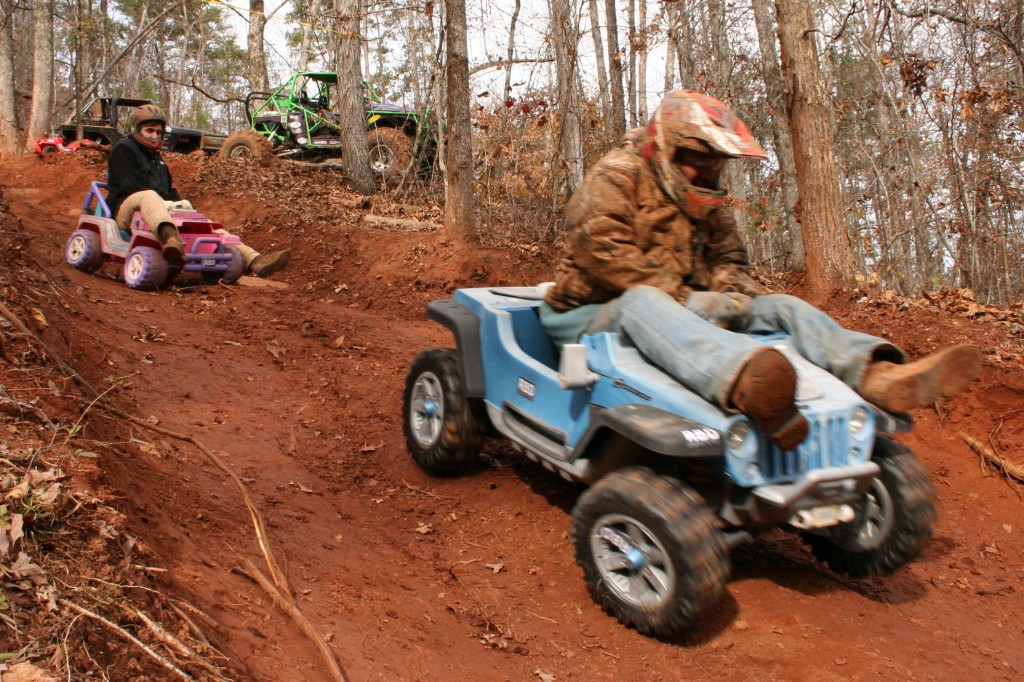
(247, 144)
(893, 521)
(390, 154)
(441, 428)
(650, 550)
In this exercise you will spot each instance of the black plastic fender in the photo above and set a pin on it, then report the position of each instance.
(466, 328)
(657, 430)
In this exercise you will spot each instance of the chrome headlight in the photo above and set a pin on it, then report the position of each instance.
(858, 420)
(737, 435)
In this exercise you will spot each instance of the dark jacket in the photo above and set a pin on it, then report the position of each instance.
(132, 168)
(625, 231)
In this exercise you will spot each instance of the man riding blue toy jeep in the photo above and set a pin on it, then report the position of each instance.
(699, 412)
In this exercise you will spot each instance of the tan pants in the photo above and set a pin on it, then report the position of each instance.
(154, 211)
(249, 254)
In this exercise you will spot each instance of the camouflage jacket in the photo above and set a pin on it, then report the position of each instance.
(624, 231)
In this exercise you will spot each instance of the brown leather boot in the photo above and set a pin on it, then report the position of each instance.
(174, 247)
(765, 391)
(901, 388)
(265, 266)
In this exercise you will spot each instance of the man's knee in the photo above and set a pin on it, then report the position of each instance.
(143, 195)
(645, 294)
(780, 302)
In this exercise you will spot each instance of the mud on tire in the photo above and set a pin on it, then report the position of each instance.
(390, 154)
(247, 144)
(893, 522)
(442, 429)
(650, 550)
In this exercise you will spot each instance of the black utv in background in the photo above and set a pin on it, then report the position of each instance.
(105, 121)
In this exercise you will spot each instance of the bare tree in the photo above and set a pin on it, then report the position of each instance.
(257, 66)
(8, 112)
(602, 71)
(618, 117)
(775, 92)
(828, 251)
(355, 159)
(631, 82)
(566, 37)
(310, 10)
(458, 209)
(39, 123)
(642, 47)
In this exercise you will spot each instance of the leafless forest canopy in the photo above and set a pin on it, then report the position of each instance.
(893, 126)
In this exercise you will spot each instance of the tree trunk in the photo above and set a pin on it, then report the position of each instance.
(642, 49)
(39, 124)
(8, 112)
(602, 72)
(312, 10)
(458, 208)
(510, 55)
(565, 31)
(827, 248)
(776, 94)
(257, 65)
(671, 45)
(631, 82)
(618, 122)
(355, 158)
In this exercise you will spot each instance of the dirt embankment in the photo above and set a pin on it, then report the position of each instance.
(296, 390)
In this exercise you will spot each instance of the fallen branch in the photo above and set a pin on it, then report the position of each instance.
(170, 640)
(1009, 468)
(197, 632)
(283, 589)
(287, 604)
(399, 223)
(207, 618)
(127, 635)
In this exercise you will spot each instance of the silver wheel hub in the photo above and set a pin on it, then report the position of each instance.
(133, 268)
(77, 247)
(632, 561)
(426, 409)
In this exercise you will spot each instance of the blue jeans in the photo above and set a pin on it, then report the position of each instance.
(707, 358)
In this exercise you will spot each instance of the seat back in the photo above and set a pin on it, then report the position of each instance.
(531, 336)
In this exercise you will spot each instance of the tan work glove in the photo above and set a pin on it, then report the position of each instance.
(728, 311)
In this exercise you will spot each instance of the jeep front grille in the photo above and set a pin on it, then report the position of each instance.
(827, 445)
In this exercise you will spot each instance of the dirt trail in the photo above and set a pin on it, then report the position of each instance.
(411, 577)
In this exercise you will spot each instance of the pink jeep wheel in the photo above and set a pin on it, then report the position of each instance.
(145, 268)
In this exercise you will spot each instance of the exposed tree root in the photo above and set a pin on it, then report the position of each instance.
(280, 589)
(1011, 469)
(128, 636)
(287, 604)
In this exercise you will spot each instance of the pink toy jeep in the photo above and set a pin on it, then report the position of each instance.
(98, 239)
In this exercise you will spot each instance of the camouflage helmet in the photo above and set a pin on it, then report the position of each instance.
(695, 122)
(147, 113)
(692, 120)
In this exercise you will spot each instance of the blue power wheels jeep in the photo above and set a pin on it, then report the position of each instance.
(674, 482)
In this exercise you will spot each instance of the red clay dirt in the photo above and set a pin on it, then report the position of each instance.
(298, 388)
